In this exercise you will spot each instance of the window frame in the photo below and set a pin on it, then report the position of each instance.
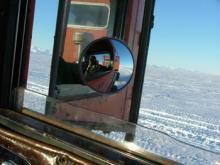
(30, 124)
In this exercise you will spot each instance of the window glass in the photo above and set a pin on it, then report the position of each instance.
(89, 15)
(42, 45)
(87, 21)
(44, 25)
(181, 92)
(168, 120)
(68, 84)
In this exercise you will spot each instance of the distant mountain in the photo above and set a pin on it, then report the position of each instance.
(150, 68)
(180, 90)
(169, 69)
(38, 51)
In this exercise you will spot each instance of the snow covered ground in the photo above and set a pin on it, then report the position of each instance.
(39, 70)
(183, 104)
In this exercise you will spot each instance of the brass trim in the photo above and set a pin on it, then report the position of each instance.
(125, 146)
(35, 152)
(24, 132)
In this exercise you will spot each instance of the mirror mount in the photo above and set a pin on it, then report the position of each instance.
(105, 66)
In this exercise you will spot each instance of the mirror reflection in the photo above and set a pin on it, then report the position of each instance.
(98, 65)
(124, 63)
(107, 65)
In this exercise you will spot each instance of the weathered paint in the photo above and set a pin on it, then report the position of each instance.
(71, 49)
(118, 104)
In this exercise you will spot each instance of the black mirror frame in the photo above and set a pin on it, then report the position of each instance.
(83, 54)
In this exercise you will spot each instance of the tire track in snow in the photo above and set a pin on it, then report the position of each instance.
(194, 132)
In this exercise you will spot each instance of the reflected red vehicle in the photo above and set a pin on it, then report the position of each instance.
(88, 20)
(80, 33)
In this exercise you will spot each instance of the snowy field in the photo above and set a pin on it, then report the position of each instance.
(183, 104)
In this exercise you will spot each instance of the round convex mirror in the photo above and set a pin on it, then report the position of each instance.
(106, 65)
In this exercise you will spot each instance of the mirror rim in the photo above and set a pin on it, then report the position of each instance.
(82, 54)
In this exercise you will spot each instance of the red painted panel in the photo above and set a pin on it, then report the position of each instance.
(118, 104)
(71, 49)
(104, 83)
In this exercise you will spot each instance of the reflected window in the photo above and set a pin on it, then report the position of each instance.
(89, 15)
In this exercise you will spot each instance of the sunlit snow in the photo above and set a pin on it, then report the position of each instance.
(183, 104)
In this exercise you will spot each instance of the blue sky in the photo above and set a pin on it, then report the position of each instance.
(124, 54)
(186, 35)
(44, 23)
